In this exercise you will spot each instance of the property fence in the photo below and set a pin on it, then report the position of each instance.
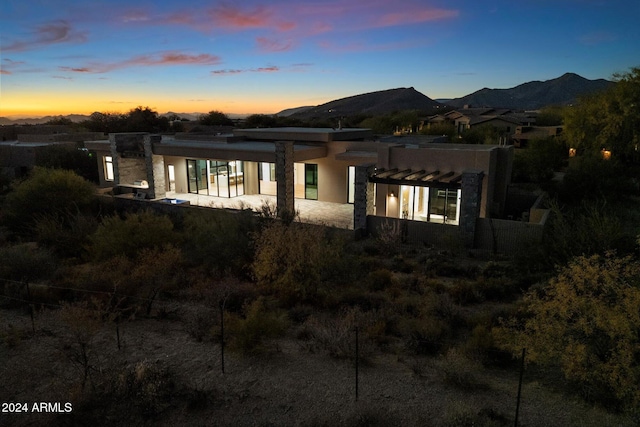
(356, 377)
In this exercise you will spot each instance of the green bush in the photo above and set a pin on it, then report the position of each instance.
(586, 321)
(116, 236)
(261, 323)
(46, 192)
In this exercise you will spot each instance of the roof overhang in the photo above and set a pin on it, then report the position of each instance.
(246, 151)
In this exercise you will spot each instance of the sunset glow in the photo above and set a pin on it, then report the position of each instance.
(63, 57)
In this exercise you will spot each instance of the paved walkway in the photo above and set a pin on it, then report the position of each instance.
(310, 211)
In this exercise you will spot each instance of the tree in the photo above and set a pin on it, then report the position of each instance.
(609, 120)
(144, 119)
(46, 192)
(586, 321)
(215, 118)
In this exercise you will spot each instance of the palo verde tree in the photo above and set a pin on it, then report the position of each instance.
(586, 321)
(609, 120)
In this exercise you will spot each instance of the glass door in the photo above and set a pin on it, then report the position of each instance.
(310, 181)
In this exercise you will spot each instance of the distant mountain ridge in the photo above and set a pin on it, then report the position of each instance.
(380, 102)
(564, 90)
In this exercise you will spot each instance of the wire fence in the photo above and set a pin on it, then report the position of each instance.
(353, 335)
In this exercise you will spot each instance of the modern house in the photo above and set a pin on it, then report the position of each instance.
(448, 185)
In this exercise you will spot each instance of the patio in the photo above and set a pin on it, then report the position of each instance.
(310, 211)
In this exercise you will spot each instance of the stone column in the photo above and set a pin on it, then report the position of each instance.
(471, 198)
(363, 198)
(284, 176)
(154, 168)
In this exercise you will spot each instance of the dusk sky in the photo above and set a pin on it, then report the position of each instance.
(62, 57)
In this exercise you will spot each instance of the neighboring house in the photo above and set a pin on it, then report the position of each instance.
(18, 157)
(504, 120)
(448, 185)
(524, 134)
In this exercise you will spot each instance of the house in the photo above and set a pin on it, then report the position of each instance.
(446, 185)
(20, 155)
(524, 134)
(503, 120)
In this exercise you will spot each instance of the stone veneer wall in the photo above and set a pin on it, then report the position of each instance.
(363, 203)
(470, 203)
(284, 177)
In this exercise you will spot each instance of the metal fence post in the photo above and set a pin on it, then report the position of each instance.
(520, 387)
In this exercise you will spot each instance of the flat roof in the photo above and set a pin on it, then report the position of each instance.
(246, 150)
(305, 134)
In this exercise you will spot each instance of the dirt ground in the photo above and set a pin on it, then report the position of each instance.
(286, 386)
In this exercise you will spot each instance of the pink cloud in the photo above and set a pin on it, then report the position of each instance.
(160, 59)
(229, 72)
(232, 17)
(3, 71)
(414, 16)
(47, 34)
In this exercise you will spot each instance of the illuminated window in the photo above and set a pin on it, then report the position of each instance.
(108, 168)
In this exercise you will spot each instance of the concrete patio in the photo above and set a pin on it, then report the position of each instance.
(310, 211)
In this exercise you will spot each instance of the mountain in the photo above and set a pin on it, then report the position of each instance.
(76, 118)
(563, 90)
(290, 111)
(381, 102)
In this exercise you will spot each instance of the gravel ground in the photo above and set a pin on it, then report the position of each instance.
(287, 386)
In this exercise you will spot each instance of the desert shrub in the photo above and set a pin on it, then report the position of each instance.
(461, 414)
(336, 334)
(26, 262)
(199, 323)
(83, 322)
(461, 372)
(465, 292)
(261, 323)
(142, 392)
(586, 321)
(67, 235)
(379, 280)
(46, 192)
(220, 241)
(290, 260)
(496, 288)
(118, 236)
(425, 335)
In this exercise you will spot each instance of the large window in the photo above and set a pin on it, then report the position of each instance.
(216, 177)
(108, 168)
(267, 178)
(430, 204)
(351, 184)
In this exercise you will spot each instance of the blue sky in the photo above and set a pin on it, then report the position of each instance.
(61, 57)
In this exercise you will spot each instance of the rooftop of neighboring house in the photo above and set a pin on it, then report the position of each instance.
(301, 134)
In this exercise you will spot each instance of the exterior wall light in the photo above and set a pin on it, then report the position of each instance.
(572, 152)
(606, 154)
(392, 194)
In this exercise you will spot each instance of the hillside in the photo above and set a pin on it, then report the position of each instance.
(380, 102)
(563, 90)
